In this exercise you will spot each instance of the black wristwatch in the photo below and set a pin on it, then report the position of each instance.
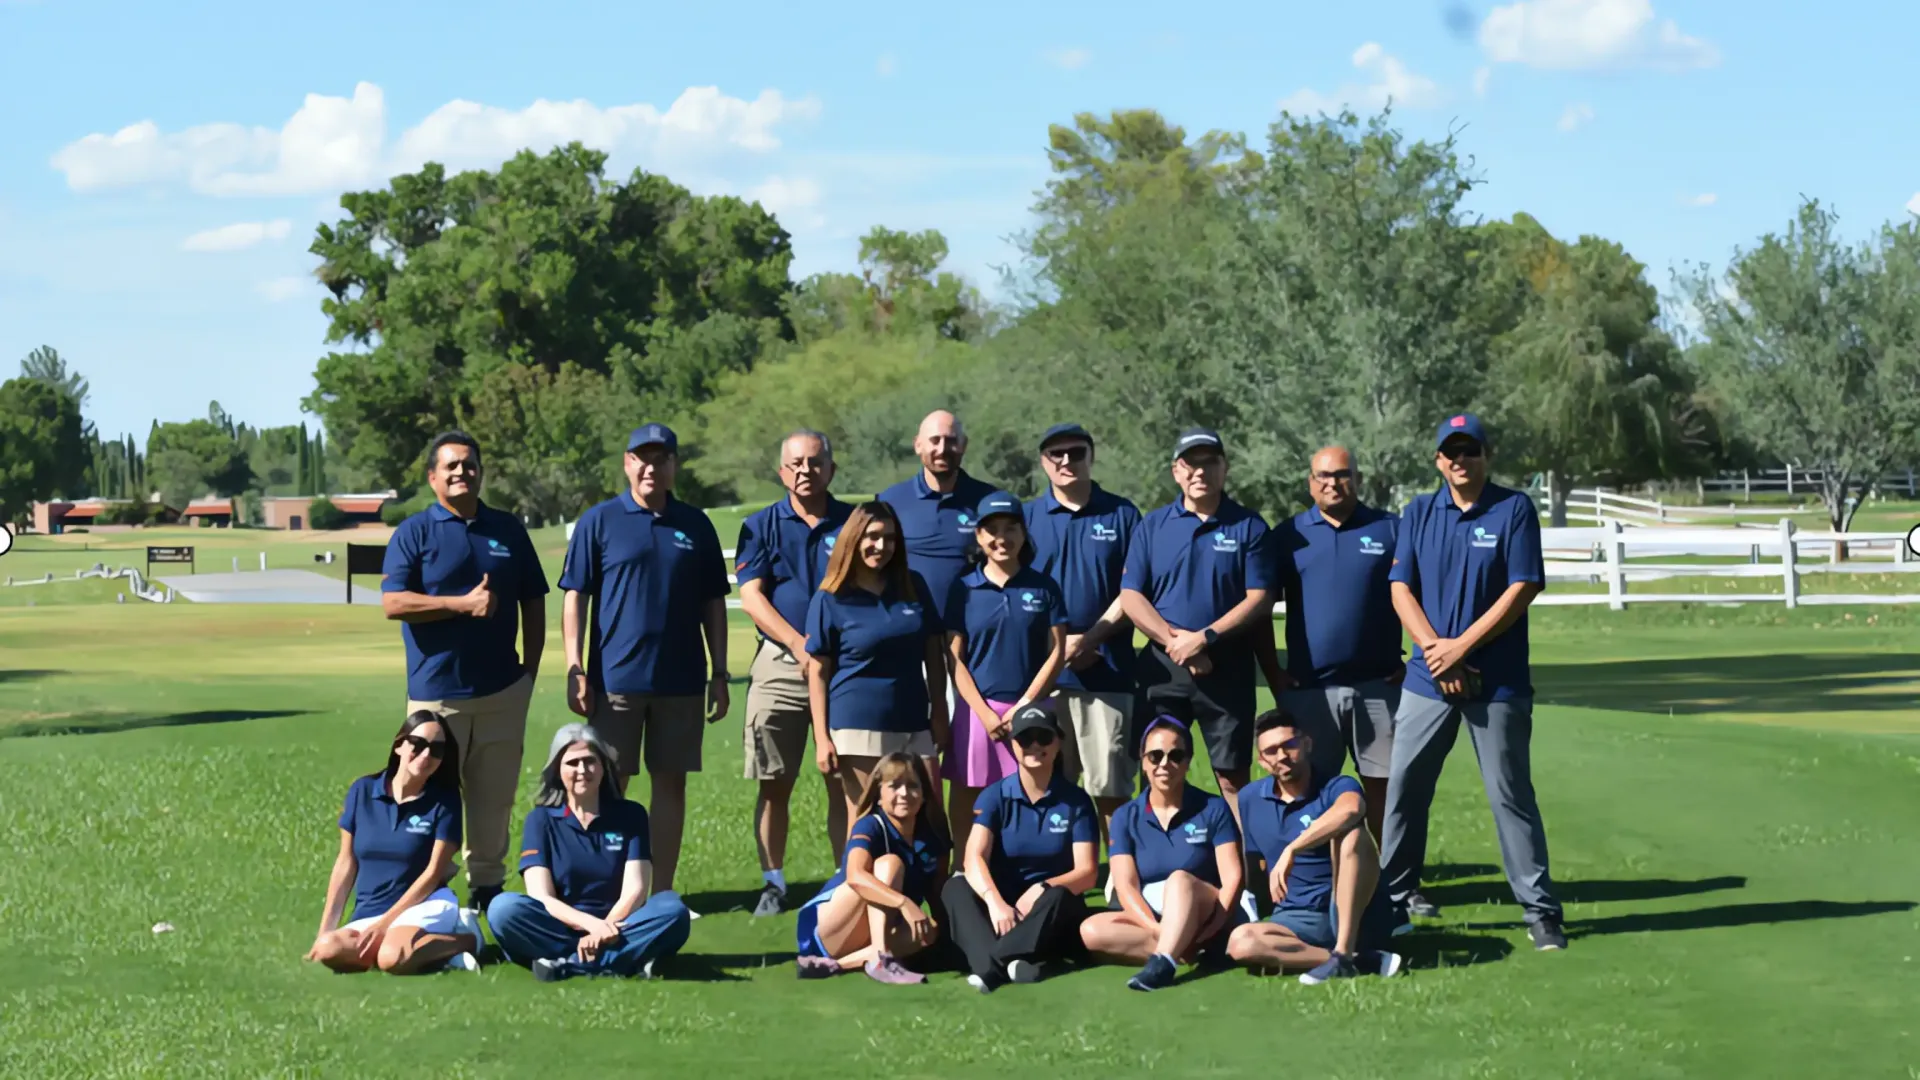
(1211, 635)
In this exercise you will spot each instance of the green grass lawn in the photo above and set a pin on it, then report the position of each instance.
(1732, 799)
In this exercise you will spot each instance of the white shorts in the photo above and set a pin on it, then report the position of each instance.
(1152, 892)
(439, 913)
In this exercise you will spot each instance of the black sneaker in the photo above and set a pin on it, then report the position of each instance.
(1158, 974)
(1335, 966)
(1422, 908)
(769, 904)
(545, 970)
(1547, 935)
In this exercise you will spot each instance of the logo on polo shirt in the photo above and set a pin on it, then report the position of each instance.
(1105, 532)
(1223, 542)
(497, 549)
(1370, 546)
(1031, 601)
(615, 841)
(830, 540)
(1196, 832)
(1056, 822)
(966, 521)
(418, 825)
(1484, 539)
(925, 859)
(680, 541)
(1306, 821)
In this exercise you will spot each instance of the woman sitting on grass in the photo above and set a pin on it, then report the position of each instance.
(399, 830)
(586, 859)
(1174, 865)
(869, 913)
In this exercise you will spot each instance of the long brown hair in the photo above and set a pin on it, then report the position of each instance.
(929, 822)
(846, 550)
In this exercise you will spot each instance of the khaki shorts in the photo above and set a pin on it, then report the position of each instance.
(854, 742)
(673, 728)
(1098, 746)
(779, 716)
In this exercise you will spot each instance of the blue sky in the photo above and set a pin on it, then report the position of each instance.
(166, 163)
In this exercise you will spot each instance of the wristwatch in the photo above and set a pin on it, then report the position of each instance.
(1210, 634)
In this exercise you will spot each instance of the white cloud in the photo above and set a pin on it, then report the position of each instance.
(1575, 115)
(1707, 198)
(1390, 80)
(1913, 204)
(1481, 79)
(282, 289)
(235, 237)
(332, 144)
(886, 65)
(1571, 35)
(792, 200)
(1069, 59)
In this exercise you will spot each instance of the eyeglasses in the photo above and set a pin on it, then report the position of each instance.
(1037, 737)
(581, 763)
(1333, 475)
(430, 747)
(1461, 450)
(1175, 756)
(1066, 455)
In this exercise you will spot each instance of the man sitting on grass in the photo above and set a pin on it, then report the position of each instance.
(1311, 832)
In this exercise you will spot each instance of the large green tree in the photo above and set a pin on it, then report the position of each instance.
(195, 458)
(42, 455)
(1814, 342)
(551, 441)
(436, 281)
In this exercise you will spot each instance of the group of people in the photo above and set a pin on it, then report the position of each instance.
(946, 633)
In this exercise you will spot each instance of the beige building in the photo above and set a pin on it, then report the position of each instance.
(290, 511)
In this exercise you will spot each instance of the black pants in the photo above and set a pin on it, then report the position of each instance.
(1051, 931)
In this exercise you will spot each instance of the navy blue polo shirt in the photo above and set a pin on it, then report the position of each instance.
(587, 863)
(1008, 630)
(1458, 562)
(876, 835)
(393, 842)
(1203, 823)
(1195, 570)
(1272, 823)
(1033, 841)
(1085, 551)
(878, 645)
(778, 546)
(651, 577)
(937, 529)
(436, 552)
(1341, 627)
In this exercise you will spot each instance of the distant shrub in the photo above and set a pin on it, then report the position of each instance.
(396, 512)
(322, 514)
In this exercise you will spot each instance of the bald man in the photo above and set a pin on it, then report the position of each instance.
(1343, 638)
(936, 506)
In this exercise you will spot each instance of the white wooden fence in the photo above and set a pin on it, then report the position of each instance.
(1612, 554)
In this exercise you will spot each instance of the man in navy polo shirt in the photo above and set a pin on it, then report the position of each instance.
(1302, 825)
(1467, 565)
(936, 507)
(1197, 581)
(1343, 637)
(464, 581)
(1080, 534)
(779, 561)
(652, 569)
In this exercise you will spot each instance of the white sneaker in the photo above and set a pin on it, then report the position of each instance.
(1023, 971)
(463, 962)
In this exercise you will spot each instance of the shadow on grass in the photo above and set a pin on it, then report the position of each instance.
(1448, 948)
(1723, 915)
(1581, 892)
(27, 674)
(111, 723)
(1781, 683)
(712, 967)
(1440, 872)
(721, 901)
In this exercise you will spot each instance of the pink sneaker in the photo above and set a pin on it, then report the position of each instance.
(817, 967)
(884, 968)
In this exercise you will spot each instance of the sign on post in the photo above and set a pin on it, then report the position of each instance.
(170, 555)
(364, 559)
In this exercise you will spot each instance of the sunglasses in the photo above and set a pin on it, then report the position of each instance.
(582, 763)
(1041, 737)
(429, 747)
(1175, 756)
(1066, 455)
(1463, 450)
(1336, 474)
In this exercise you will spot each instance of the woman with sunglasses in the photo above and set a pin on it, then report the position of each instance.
(399, 832)
(1008, 644)
(868, 914)
(1033, 849)
(587, 862)
(1174, 868)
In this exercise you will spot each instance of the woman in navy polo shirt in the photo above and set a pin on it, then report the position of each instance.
(587, 862)
(878, 683)
(1174, 866)
(1033, 850)
(1008, 648)
(399, 832)
(869, 913)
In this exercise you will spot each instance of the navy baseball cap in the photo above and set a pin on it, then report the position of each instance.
(653, 435)
(1034, 718)
(1065, 431)
(1460, 424)
(998, 502)
(1195, 437)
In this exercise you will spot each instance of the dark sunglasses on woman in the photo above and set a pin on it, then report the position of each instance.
(425, 746)
(1176, 756)
(1034, 738)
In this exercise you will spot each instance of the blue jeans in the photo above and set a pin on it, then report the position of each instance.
(526, 933)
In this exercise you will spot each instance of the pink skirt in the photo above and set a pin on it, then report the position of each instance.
(975, 760)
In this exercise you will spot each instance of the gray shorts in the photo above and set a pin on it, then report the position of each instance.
(1363, 717)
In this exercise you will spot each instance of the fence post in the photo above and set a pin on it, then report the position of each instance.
(1910, 490)
(263, 560)
(1616, 567)
(1789, 563)
(1746, 486)
(1789, 478)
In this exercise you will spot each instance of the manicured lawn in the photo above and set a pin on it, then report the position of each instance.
(1732, 797)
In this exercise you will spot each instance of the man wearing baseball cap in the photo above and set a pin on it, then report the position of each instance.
(651, 567)
(1080, 534)
(1466, 565)
(1197, 583)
